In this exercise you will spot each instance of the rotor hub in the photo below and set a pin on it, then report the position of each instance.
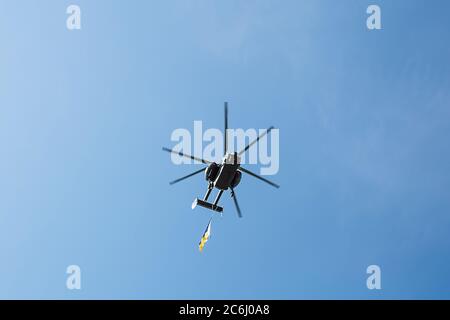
(231, 158)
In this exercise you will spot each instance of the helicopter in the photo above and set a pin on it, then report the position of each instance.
(222, 176)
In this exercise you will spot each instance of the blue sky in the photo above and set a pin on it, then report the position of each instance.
(364, 152)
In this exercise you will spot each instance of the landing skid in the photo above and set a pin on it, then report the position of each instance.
(206, 205)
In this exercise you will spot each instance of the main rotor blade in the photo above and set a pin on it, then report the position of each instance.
(259, 177)
(188, 176)
(181, 154)
(233, 195)
(225, 137)
(255, 141)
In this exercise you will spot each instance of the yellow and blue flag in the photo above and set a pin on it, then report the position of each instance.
(205, 236)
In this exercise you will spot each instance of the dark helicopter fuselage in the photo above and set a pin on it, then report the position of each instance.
(225, 175)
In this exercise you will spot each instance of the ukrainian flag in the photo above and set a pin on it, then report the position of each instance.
(205, 236)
